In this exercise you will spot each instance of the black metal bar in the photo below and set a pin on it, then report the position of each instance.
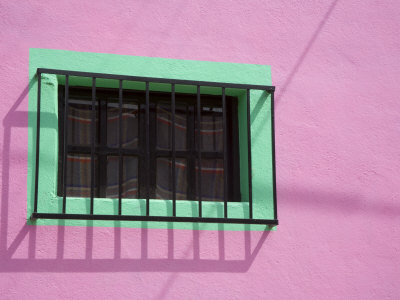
(157, 80)
(173, 150)
(133, 152)
(191, 160)
(103, 150)
(92, 146)
(273, 155)
(120, 166)
(199, 150)
(147, 149)
(65, 154)
(249, 157)
(39, 80)
(102, 157)
(153, 218)
(225, 143)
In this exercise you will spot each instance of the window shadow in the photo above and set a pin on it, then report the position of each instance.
(183, 250)
(190, 255)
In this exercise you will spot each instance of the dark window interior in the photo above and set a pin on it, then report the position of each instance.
(134, 142)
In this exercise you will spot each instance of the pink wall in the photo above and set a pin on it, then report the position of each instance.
(336, 66)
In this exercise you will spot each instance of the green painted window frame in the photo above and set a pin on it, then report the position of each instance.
(260, 120)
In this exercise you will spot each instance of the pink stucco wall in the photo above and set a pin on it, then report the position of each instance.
(336, 65)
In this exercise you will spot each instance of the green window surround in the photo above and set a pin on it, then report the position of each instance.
(262, 177)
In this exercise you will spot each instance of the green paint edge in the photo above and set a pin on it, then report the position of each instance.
(150, 67)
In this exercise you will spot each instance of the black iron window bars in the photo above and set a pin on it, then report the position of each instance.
(148, 216)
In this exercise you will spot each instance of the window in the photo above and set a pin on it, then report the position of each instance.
(134, 172)
(149, 103)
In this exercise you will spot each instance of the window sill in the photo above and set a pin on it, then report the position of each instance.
(160, 210)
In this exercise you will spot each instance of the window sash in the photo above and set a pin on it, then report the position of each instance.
(106, 98)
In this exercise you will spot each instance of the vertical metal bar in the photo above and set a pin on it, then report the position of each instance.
(173, 149)
(199, 140)
(39, 80)
(102, 157)
(225, 128)
(120, 167)
(249, 156)
(273, 154)
(191, 146)
(92, 145)
(65, 154)
(147, 149)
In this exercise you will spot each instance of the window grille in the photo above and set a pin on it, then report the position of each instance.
(146, 150)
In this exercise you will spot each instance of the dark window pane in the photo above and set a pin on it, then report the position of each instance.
(112, 176)
(164, 127)
(164, 182)
(79, 122)
(79, 175)
(130, 116)
(134, 138)
(212, 179)
(129, 177)
(211, 129)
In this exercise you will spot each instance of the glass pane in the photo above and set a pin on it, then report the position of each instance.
(129, 177)
(211, 129)
(79, 175)
(164, 181)
(79, 122)
(112, 176)
(212, 179)
(164, 125)
(130, 117)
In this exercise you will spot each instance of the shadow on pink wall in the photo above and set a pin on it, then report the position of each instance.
(28, 236)
(219, 263)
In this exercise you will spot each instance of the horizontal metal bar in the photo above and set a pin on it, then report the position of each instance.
(102, 150)
(153, 218)
(73, 149)
(158, 80)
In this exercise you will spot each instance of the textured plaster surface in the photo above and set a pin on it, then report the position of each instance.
(336, 67)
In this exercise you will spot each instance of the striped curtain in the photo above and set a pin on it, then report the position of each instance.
(79, 172)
